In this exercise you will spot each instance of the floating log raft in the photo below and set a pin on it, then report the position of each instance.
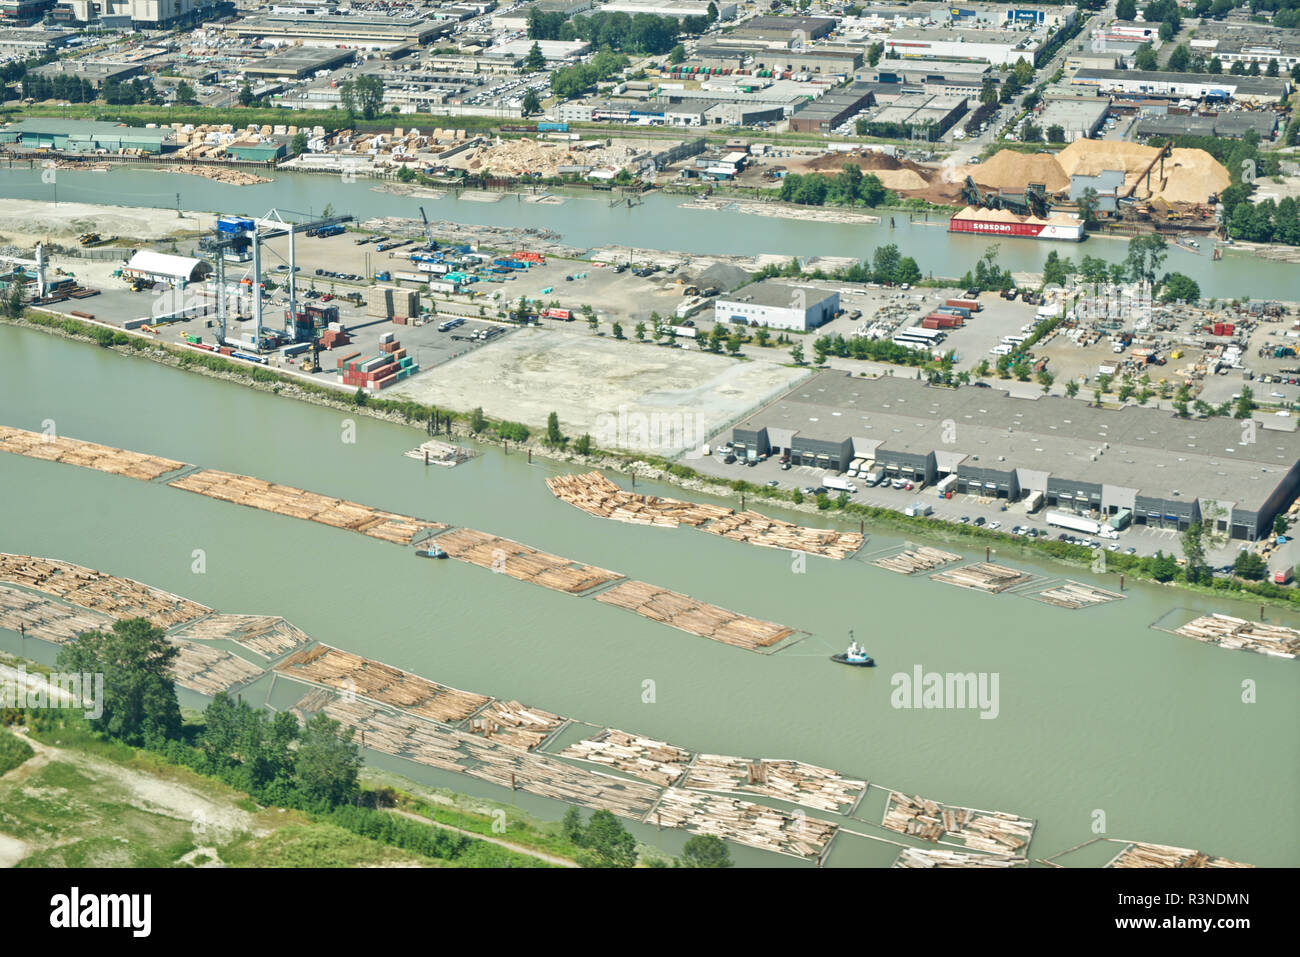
(1073, 595)
(993, 831)
(354, 675)
(486, 759)
(299, 503)
(934, 857)
(793, 781)
(510, 722)
(210, 670)
(268, 635)
(744, 822)
(38, 617)
(686, 614)
(597, 495)
(522, 562)
(984, 576)
(1238, 633)
(103, 458)
(913, 560)
(1139, 854)
(655, 761)
(116, 597)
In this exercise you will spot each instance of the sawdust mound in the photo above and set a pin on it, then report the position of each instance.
(1009, 170)
(901, 179)
(1090, 157)
(869, 161)
(1190, 176)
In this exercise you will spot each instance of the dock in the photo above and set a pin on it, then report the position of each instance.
(983, 576)
(919, 559)
(694, 617)
(1226, 631)
(597, 495)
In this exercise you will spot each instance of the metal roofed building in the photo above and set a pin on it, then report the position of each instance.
(784, 28)
(1168, 471)
(161, 267)
(1199, 86)
(368, 31)
(297, 62)
(1224, 125)
(85, 136)
(823, 115)
(1080, 118)
(778, 305)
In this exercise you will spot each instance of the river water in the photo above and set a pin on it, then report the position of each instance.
(1097, 711)
(588, 221)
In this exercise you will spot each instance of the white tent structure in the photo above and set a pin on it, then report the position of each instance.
(161, 267)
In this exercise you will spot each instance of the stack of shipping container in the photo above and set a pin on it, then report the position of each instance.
(391, 364)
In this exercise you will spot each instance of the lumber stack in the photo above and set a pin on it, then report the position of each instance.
(521, 562)
(210, 670)
(913, 560)
(103, 458)
(936, 857)
(655, 761)
(686, 614)
(744, 822)
(1139, 854)
(1240, 634)
(597, 495)
(1075, 595)
(268, 635)
(38, 617)
(354, 675)
(113, 596)
(984, 576)
(299, 503)
(792, 781)
(993, 831)
(514, 724)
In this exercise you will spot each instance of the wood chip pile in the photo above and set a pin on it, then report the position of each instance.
(522, 562)
(698, 618)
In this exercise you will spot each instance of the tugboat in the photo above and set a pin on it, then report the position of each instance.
(856, 656)
(433, 551)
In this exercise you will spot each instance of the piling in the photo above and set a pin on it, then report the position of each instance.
(986, 553)
(1121, 582)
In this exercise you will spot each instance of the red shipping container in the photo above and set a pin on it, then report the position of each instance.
(399, 320)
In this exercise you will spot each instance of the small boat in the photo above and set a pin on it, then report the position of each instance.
(855, 655)
(433, 551)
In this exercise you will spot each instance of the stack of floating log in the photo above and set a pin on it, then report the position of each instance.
(993, 831)
(792, 781)
(1238, 633)
(298, 503)
(745, 823)
(655, 761)
(486, 759)
(687, 614)
(597, 495)
(935, 857)
(984, 576)
(1139, 854)
(268, 635)
(118, 597)
(522, 562)
(913, 560)
(103, 458)
(1073, 594)
(509, 722)
(210, 670)
(354, 675)
(38, 617)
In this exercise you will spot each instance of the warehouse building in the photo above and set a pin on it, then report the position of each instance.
(1233, 126)
(833, 60)
(836, 107)
(29, 43)
(1078, 117)
(140, 14)
(778, 305)
(1178, 86)
(85, 136)
(996, 47)
(915, 113)
(375, 32)
(298, 62)
(177, 271)
(805, 29)
(96, 72)
(1168, 472)
(677, 9)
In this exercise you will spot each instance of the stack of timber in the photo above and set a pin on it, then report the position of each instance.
(934, 857)
(993, 831)
(268, 635)
(103, 458)
(696, 617)
(354, 675)
(38, 617)
(597, 495)
(487, 760)
(655, 761)
(745, 823)
(913, 560)
(984, 576)
(510, 722)
(1238, 633)
(210, 670)
(522, 562)
(1073, 594)
(1139, 854)
(117, 597)
(298, 503)
(793, 781)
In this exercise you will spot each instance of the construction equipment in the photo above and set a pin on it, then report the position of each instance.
(1145, 178)
(429, 242)
(311, 362)
(89, 239)
(1032, 202)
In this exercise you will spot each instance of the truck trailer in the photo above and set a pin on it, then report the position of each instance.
(1076, 522)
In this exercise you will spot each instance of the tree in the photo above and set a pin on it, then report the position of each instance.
(1245, 404)
(1145, 255)
(988, 92)
(608, 841)
(796, 354)
(553, 434)
(298, 146)
(477, 421)
(1145, 58)
(1179, 60)
(1216, 66)
(185, 93)
(1163, 567)
(617, 330)
(1176, 287)
(532, 103)
(711, 12)
(1088, 206)
(1280, 525)
(535, 62)
(1072, 388)
(705, 850)
(1194, 552)
(139, 698)
(328, 763)
(1023, 71)
(677, 54)
(1030, 132)
(583, 445)
(734, 343)
(571, 826)
(1249, 565)
(14, 301)
(639, 331)
(1126, 10)
(245, 95)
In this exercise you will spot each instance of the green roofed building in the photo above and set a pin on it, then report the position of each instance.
(85, 136)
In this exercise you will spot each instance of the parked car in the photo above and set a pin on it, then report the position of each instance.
(995, 525)
(773, 483)
(729, 459)
(979, 519)
(964, 520)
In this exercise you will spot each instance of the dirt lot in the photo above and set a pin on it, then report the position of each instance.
(24, 223)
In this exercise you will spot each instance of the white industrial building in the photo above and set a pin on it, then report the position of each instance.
(778, 305)
(161, 267)
(997, 47)
(671, 8)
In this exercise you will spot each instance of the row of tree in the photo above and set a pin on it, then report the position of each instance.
(573, 80)
(644, 33)
(848, 187)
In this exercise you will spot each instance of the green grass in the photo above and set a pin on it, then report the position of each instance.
(310, 844)
(13, 751)
(519, 828)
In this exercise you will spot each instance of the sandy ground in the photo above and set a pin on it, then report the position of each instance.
(22, 225)
(603, 387)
